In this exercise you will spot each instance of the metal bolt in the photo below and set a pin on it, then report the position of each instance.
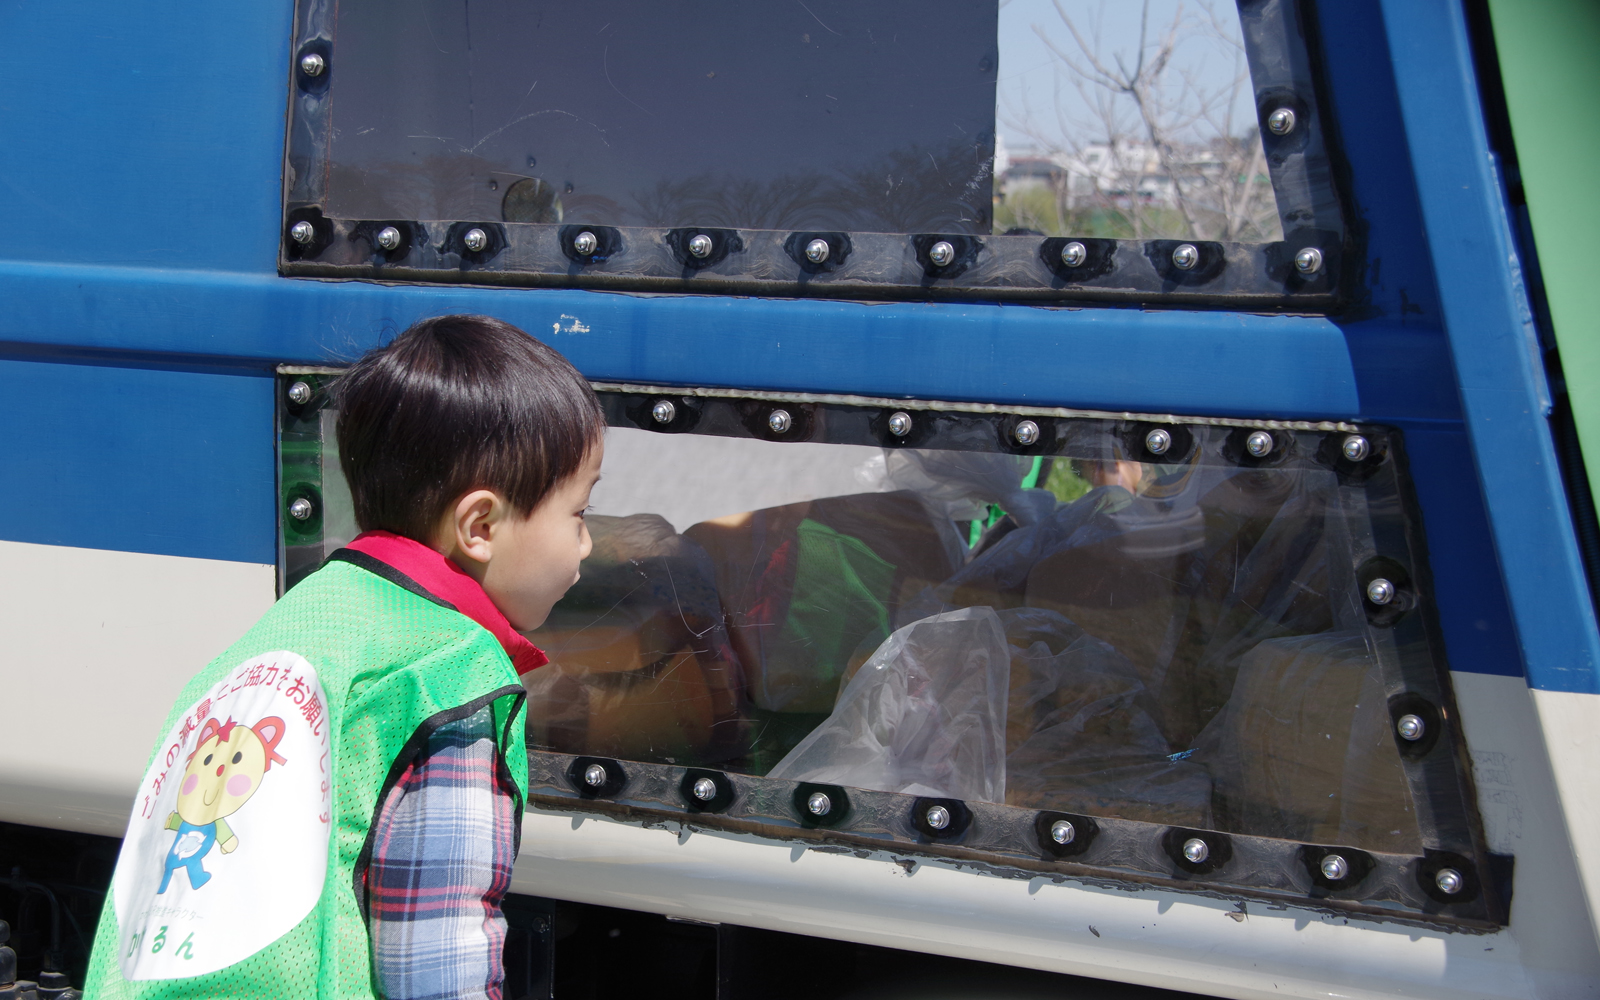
(1449, 881)
(1281, 121)
(900, 423)
(663, 412)
(1308, 260)
(389, 238)
(1410, 727)
(1334, 867)
(941, 253)
(585, 243)
(594, 775)
(1258, 444)
(1196, 850)
(819, 804)
(300, 509)
(1027, 433)
(1074, 254)
(1061, 832)
(312, 64)
(938, 817)
(1380, 591)
(1185, 257)
(302, 232)
(700, 245)
(475, 240)
(817, 251)
(299, 394)
(779, 421)
(1356, 448)
(704, 789)
(1158, 441)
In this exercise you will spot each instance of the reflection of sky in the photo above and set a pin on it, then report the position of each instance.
(1031, 75)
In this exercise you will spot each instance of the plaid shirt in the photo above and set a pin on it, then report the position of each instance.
(441, 865)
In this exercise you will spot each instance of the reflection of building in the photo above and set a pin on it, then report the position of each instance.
(1121, 174)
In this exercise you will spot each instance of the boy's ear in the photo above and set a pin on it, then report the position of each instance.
(471, 526)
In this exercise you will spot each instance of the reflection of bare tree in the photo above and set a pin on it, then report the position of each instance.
(1153, 149)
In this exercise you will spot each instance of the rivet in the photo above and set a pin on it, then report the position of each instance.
(900, 423)
(663, 412)
(819, 804)
(1061, 832)
(1410, 727)
(1158, 441)
(817, 251)
(300, 509)
(585, 243)
(1334, 867)
(1308, 260)
(1356, 448)
(779, 421)
(704, 789)
(302, 232)
(700, 245)
(938, 817)
(1074, 254)
(594, 775)
(1258, 444)
(389, 238)
(1281, 121)
(1380, 591)
(1185, 257)
(312, 64)
(1027, 433)
(1449, 881)
(1196, 850)
(475, 240)
(300, 393)
(941, 253)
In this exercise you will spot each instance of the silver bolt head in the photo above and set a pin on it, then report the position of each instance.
(1380, 591)
(1061, 832)
(312, 64)
(594, 775)
(819, 804)
(1074, 254)
(900, 423)
(779, 421)
(475, 240)
(302, 232)
(942, 253)
(585, 243)
(817, 251)
(1196, 850)
(1334, 868)
(1258, 444)
(938, 817)
(389, 238)
(700, 245)
(1308, 260)
(1158, 441)
(1410, 727)
(299, 393)
(1449, 881)
(1281, 121)
(663, 412)
(300, 509)
(704, 789)
(1356, 448)
(1185, 256)
(1027, 433)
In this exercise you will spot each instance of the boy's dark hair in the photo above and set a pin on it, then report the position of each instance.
(453, 404)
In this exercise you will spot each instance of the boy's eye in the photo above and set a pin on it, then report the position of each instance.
(238, 757)
(208, 759)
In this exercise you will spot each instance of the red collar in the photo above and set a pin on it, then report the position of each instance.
(437, 574)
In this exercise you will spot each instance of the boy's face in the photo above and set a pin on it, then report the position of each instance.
(536, 558)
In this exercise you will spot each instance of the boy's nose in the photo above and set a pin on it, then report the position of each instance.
(219, 770)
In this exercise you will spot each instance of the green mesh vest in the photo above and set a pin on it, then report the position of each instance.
(241, 873)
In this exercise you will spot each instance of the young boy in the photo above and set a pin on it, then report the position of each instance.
(357, 759)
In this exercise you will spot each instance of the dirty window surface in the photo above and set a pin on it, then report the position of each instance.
(1179, 644)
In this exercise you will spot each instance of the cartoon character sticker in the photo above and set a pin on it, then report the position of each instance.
(233, 816)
